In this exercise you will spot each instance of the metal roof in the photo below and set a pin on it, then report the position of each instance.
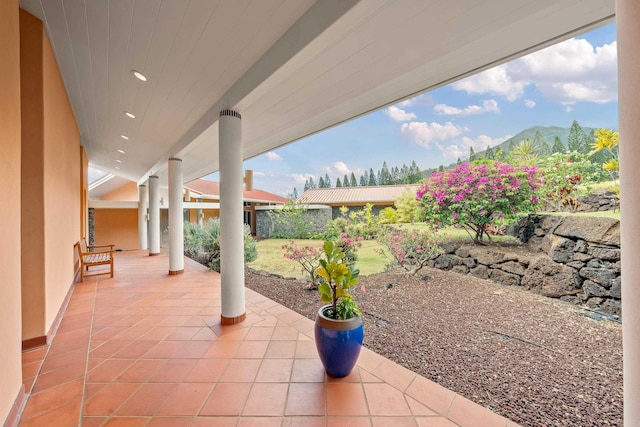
(355, 195)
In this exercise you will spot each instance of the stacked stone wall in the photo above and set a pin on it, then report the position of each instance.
(575, 259)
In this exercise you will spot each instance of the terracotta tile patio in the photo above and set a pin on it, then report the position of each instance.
(147, 349)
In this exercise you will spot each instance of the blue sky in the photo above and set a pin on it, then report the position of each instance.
(573, 80)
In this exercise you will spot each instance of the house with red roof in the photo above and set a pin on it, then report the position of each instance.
(113, 209)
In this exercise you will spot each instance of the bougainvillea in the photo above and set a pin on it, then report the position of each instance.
(474, 196)
(410, 250)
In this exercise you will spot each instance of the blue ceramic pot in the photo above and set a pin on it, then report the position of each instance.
(338, 343)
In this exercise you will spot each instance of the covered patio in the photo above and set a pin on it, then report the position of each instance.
(147, 349)
(163, 92)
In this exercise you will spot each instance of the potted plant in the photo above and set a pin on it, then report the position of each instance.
(338, 327)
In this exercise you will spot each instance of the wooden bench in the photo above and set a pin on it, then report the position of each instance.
(92, 255)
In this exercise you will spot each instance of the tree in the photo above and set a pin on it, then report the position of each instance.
(321, 183)
(441, 168)
(345, 181)
(372, 178)
(540, 145)
(363, 182)
(459, 161)
(476, 196)
(294, 194)
(311, 183)
(511, 146)
(395, 175)
(407, 206)
(338, 183)
(558, 146)
(524, 154)
(577, 138)
(354, 181)
(385, 175)
(327, 181)
(488, 154)
(472, 155)
(415, 175)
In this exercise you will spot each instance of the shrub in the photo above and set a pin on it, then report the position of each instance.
(349, 246)
(307, 256)
(358, 223)
(388, 215)
(407, 207)
(409, 250)
(203, 243)
(562, 172)
(474, 196)
(289, 222)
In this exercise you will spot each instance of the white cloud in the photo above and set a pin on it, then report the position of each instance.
(488, 105)
(398, 114)
(273, 156)
(496, 81)
(568, 108)
(423, 133)
(423, 99)
(340, 169)
(257, 173)
(301, 178)
(569, 72)
(530, 103)
(460, 147)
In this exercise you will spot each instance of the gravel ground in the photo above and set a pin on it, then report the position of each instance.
(534, 360)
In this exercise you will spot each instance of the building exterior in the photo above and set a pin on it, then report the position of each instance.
(380, 197)
(113, 216)
(67, 79)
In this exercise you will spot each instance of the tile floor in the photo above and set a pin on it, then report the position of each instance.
(147, 349)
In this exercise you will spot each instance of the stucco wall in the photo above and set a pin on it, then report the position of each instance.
(63, 175)
(10, 274)
(126, 193)
(51, 185)
(116, 226)
(33, 221)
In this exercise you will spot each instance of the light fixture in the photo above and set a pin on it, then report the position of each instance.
(130, 115)
(120, 151)
(139, 75)
(117, 167)
(124, 137)
(119, 161)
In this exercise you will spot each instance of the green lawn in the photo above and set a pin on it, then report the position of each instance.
(271, 258)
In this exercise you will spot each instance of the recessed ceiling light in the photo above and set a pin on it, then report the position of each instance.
(124, 137)
(119, 161)
(139, 75)
(117, 167)
(120, 151)
(130, 115)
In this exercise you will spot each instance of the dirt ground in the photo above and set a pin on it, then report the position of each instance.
(534, 360)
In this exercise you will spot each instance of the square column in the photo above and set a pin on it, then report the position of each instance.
(176, 218)
(628, 17)
(231, 218)
(154, 216)
(143, 236)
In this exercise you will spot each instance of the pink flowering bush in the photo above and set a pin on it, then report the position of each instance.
(473, 196)
(309, 256)
(410, 250)
(349, 246)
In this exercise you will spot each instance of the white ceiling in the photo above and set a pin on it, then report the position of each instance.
(290, 67)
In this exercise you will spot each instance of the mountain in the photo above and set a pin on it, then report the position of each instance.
(548, 133)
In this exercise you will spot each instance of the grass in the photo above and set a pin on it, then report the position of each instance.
(271, 259)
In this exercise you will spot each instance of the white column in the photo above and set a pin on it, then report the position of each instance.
(154, 216)
(176, 218)
(199, 216)
(231, 221)
(143, 197)
(627, 18)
